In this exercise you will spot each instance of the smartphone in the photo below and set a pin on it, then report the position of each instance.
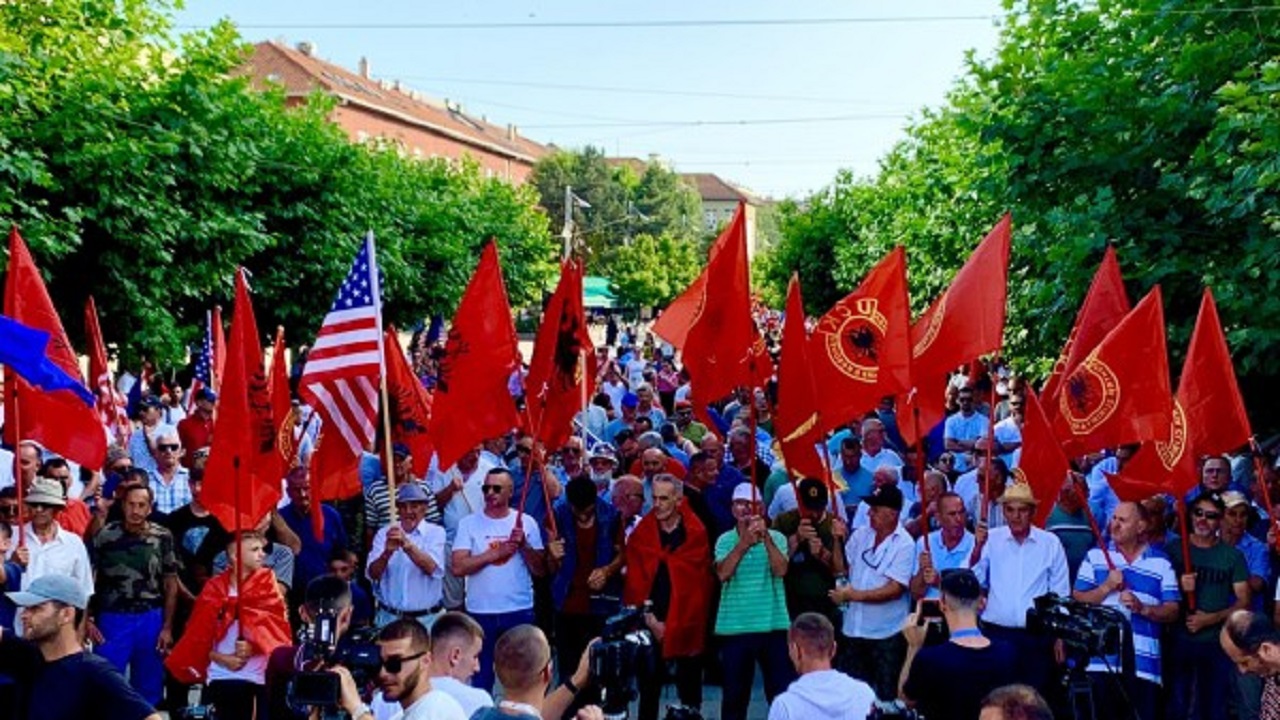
(930, 611)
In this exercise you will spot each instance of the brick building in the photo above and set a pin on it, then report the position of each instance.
(370, 109)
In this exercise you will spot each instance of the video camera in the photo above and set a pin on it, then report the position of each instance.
(1085, 630)
(625, 650)
(315, 685)
(892, 710)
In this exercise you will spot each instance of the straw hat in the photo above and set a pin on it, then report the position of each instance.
(1018, 493)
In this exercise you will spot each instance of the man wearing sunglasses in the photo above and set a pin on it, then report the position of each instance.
(498, 558)
(1219, 581)
(404, 677)
(170, 482)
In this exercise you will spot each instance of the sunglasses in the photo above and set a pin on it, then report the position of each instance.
(523, 450)
(394, 664)
(1206, 514)
(571, 451)
(492, 489)
(8, 509)
(168, 448)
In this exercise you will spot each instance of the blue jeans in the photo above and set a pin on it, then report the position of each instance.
(494, 624)
(1202, 680)
(129, 642)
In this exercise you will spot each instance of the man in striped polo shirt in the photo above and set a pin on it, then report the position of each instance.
(1144, 588)
(752, 620)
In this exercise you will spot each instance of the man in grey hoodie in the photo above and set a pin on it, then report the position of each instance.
(820, 693)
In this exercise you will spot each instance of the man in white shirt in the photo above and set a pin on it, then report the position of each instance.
(406, 562)
(874, 453)
(456, 640)
(499, 558)
(880, 558)
(458, 495)
(820, 691)
(1016, 564)
(49, 549)
(403, 678)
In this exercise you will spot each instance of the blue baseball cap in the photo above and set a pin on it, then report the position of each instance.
(55, 588)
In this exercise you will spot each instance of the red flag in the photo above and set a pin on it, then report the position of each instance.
(1119, 394)
(719, 352)
(673, 324)
(796, 418)
(242, 479)
(282, 404)
(1042, 464)
(410, 405)
(335, 472)
(862, 348)
(60, 420)
(554, 385)
(1208, 416)
(1104, 306)
(111, 405)
(967, 321)
(219, 349)
(472, 401)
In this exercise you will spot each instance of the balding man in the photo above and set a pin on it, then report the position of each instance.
(170, 482)
(522, 662)
(874, 452)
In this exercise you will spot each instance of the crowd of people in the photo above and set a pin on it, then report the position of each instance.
(906, 575)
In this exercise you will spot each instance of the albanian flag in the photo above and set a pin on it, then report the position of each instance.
(861, 347)
(555, 385)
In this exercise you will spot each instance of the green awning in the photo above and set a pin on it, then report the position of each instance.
(596, 294)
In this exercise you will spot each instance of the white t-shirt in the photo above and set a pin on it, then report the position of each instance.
(1007, 431)
(255, 670)
(470, 698)
(615, 391)
(500, 587)
(435, 705)
(635, 371)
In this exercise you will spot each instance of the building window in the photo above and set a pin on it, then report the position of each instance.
(710, 220)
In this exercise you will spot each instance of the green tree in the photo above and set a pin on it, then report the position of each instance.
(652, 270)
(1145, 123)
(626, 203)
(143, 170)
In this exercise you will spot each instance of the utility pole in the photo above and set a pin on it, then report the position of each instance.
(567, 232)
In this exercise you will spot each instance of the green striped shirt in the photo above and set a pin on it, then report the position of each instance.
(754, 599)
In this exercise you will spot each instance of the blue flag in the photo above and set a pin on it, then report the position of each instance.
(23, 350)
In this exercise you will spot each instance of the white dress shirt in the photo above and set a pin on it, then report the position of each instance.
(870, 567)
(64, 554)
(1015, 573)
(404, 586)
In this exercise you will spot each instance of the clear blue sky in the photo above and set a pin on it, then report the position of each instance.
(831, 94)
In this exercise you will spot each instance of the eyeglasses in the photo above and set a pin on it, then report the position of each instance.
(1216, 470)
(1206, 514)
(8, 509)
(523, 450)
(166, 447)
(395, 663)
(40, 508)
(492, 489)
(572, 451)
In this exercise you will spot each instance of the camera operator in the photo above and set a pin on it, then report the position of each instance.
(403, 677)
(1143, 587)
(328, 596)
(950, 679)
(821, 692)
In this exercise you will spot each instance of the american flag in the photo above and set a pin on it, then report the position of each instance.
(202, 377)
(344, 365)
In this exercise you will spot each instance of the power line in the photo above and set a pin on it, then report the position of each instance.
(721, 123)
(605, 24)
(707, 22)
(634, 90)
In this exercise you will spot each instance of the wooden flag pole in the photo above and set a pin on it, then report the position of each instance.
(386, 443)
(991, 431)
(12, 379)
(1093, 524)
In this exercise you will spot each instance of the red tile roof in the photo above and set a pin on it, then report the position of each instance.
(301, 74)
(711, 187)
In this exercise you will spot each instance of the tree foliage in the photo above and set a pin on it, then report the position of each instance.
(1151, 124)
(141, 169)
(632, 211)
